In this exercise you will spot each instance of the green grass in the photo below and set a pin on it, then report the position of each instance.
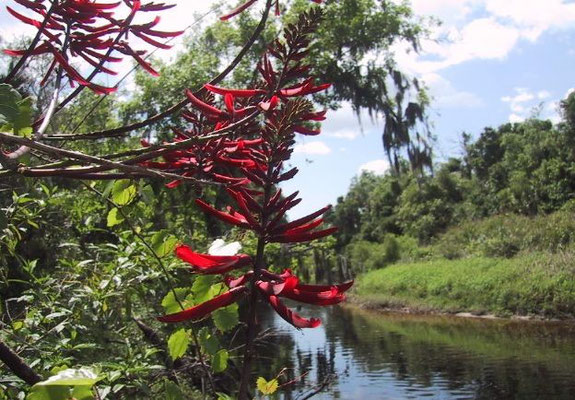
(534, 283)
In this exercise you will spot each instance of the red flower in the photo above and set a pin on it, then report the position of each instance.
(202, 310)
(209, 264)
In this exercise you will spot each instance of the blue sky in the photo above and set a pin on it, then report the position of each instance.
(490, 62)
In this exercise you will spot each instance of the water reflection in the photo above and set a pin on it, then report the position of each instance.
(367, 355)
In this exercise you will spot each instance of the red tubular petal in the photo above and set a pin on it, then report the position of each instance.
(287, 175)
(237, 10)
(234, 92)
(232, 282)
(209, 264)
(306, 131)
(291, 316)
(151, 41)
(301, 221)
(31, 4)
(222, 215)
(229, 102)
(302, 237)
(270, 104)
(204, 107)
(270, 288)
(242, 204)
(305, 227)
(328, 297)
(23, 18)
(203, 309)
(315, 116)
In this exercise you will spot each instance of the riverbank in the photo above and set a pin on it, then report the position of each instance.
(533, 285)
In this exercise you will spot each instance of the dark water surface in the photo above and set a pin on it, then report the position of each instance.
(368, 355)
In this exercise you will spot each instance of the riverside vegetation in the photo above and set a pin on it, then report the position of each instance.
(490, 232)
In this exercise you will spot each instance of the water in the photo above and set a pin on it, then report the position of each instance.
(365, 355)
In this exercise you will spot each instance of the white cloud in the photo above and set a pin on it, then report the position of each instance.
(346, 134)
(482, 29)
(344, 124)
(447, 96)
(525, 104)
(377, 167)
(312, 148)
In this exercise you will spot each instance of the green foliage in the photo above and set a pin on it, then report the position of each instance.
(220, 361)
(226, 318)
(15, 112)
(178, 343)
(535, 283)
(114, 218)
(267, 387)
(76, 383)
(163, 243)
(123, 192)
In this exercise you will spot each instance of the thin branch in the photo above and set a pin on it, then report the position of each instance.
(35, 41)
(17, 365)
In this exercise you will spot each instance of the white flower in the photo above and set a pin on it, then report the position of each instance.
(220, 248)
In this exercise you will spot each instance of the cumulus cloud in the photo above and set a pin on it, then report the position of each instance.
(482, 29)
(525, 103)
(312, 148)
(447, 96)
(377, 167)
(344, 124)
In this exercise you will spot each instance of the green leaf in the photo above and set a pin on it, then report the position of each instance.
(163, 243)
(72, 377)
(223, 396)
(124, 192)
(48, 393)
(15, 112)
(226, 318)
(170, 303)
(178, 343)
(114, 218)
(83, 392)
(220, 361)
(57, 387)
(173, 391)
(203, 288)
(267, 387)
(210, 343)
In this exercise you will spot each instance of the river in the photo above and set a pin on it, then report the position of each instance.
(368, 355)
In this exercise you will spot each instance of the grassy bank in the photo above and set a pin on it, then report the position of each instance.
(528, 284)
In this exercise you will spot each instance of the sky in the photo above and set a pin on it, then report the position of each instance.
(488, 63)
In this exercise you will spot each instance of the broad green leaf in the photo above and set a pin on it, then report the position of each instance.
(173, 391)
(210, 343)
(170, 303)
(71, 377)
(223, 396)
(226, 318)
(178, 343)
(65, 384)
(49, 393)
(163, 243)
(220, 361)
(203, 288)
(124, 192)
(114, 218)
(267, 387)
(15, 112)
(83, 392)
